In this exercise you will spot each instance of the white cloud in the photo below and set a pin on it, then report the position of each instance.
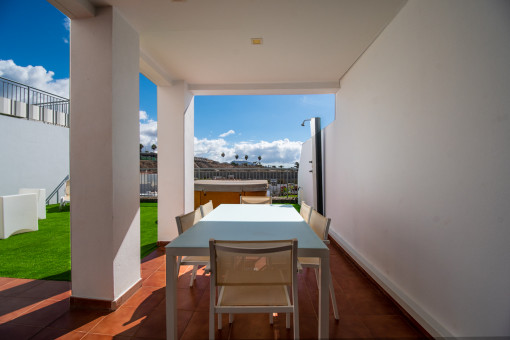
(212, 149)
(229, 132)
(35, 76)
(279, 152)
(148, 133)
(143, 115)
(67, 24)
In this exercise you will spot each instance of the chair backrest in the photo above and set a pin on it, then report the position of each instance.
(206, 208)
(248, 263)
(256, 200)
(305, 211)
(186, 221)
(319, 224)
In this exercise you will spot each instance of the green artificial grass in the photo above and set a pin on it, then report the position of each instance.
(148, 228)
(295, 205)
(46, 254)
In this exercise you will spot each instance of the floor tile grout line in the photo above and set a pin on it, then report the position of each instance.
(6, 281)
(91, 329)
(37, 282)
(50, 322)
(28, 310)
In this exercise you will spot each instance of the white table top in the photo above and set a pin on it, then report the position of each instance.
(254, 213)
(239, 222)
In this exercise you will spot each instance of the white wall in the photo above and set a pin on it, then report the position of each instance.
(418, 164)
(33, 154)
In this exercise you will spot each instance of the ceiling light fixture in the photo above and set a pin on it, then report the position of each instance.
(256, 41)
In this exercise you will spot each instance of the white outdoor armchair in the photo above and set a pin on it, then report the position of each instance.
(41, 200)
(253, 277)
(184, 222)
(18, 213)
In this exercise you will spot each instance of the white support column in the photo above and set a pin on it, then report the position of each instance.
(174, 127)
(104, 138)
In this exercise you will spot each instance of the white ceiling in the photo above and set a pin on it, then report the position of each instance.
(207, 43)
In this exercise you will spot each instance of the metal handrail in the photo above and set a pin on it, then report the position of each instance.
(55, 191)
(38, 90)
(18, 92)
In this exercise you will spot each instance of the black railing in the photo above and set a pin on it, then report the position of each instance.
(282, 181)
(149, 182)
(273, 175)
(31, 103)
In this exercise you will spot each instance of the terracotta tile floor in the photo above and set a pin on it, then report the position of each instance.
(34, 309)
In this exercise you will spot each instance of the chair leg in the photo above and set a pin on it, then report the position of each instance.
(211, 323)
(193, 275)
(230, 318)
(220, 320)
(270, 318)
(178, 266)
(287, 320)
(296, 324)
(333, 298)
(331, 292)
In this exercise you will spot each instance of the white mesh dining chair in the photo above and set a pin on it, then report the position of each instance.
(305, 211)
(206, 208)
(184, 222)
(256, 200)
(253, 277)
(320, 225)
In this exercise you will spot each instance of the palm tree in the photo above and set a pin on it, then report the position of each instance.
(154, 147)
(296, 164)
(222, 154)
(246, 157)
(260, 158)
(141, 147)
(236, 156)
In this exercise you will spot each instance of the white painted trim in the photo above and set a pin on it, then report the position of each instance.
(426, 320)
(268, 88)
(75, 9)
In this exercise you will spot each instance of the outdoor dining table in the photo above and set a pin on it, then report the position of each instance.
(246, 222)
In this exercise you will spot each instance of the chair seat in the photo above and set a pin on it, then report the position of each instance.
(254, 296)
(195, 259)
(309, 261)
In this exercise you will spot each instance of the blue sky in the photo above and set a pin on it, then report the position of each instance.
(35, 51)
